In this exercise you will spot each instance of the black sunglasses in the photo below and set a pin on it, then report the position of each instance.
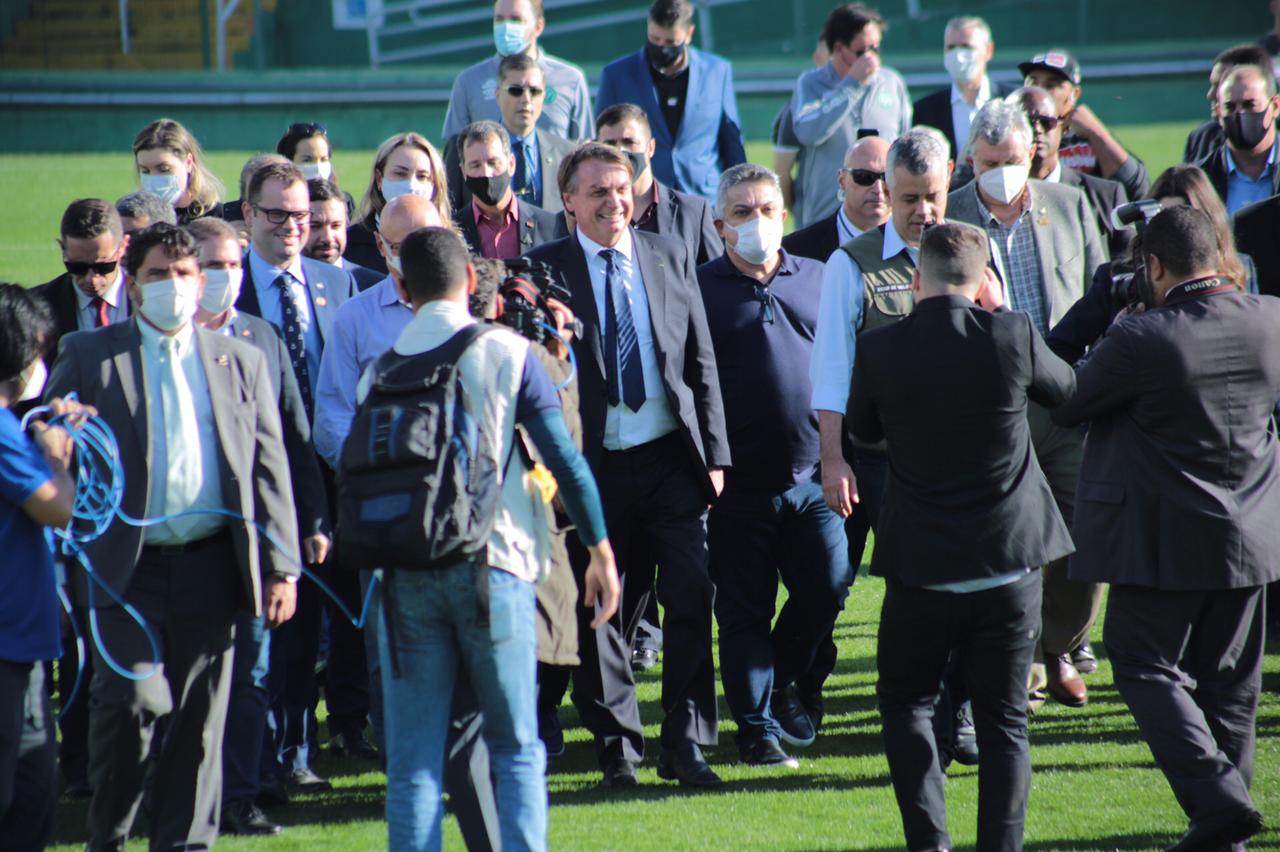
(864, 177)
(307, 128)
(1044, 122)
(518, 91)
(278, 217)
(80, 268)
(761, 292)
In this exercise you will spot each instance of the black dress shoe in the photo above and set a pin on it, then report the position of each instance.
(811, 701)
(272, 794)
(1084, 660)
(964, 739)
(551, 734)
(353, 745)
(619, 773)
(766, 752)
(306, 781)
(687, 765)
(79, 789)
(247, 819)
(1220, 831)
(643, 659)
(797, 727)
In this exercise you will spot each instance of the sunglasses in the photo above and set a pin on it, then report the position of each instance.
(864, 177)
(278, 217)
(307, 129)
(1044, 122)
(761, 294)
(518, 91)
(80, 268)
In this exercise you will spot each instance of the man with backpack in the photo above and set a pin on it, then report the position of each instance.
(431, 490)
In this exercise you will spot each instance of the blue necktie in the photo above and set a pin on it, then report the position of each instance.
(622, 349)
(294, 340)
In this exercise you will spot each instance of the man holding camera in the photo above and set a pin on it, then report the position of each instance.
(1179, 492)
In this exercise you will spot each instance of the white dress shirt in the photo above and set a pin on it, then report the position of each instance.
(624, 428)
(845, 228)
(205, 492)
(962, 112)
(839, 318)
(87, 314)
(264, 277)
(1055, 176)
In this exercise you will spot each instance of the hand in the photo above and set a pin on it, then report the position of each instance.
(75, 412)
(1082, 121)
(315, 549)
(864, 67)
(717, 479)
(282, 600)
(1128, 311)
(600, 583)
(990, 295)
(839, 488)
(55, 443)
(562, 317)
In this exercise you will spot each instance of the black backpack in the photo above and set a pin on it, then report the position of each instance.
(415, 492)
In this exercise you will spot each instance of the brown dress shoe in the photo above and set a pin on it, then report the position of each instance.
(1065, 683)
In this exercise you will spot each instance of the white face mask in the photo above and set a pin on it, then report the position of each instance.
(396, 188)
(962, 64)
(169, 304)
(1005, 183)
(758, 239)
(168, 187)
(33, 386)
(221, 289)
(316, 171)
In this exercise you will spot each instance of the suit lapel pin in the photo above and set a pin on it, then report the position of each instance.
(319, 285)
(321, 301)
(1044, 217)
(222, 361)
(245, 333)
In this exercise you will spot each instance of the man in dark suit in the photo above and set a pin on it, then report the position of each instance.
(654, 434)
(1245, 167)
(865, 206)
(496, 223)
(1180, 489)
(299, 296)
(967, 51)
(327, 236)
(1208, 137)
(1255, 228)
(687, 95)
(967, 518)
(197, 424)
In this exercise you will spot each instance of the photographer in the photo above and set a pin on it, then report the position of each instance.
(1119, 285)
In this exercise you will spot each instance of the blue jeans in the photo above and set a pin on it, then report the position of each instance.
(242, 745)
(755, 537)
(431, 619)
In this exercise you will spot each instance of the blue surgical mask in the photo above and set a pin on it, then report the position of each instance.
(510, 37)
(168, 187)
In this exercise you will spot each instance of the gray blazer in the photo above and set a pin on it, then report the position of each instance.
(104, 367)
(1066, 234)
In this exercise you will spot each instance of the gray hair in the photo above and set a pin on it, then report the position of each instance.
(482, 131)
(920, 151)
(142, 203)
(995, 122)
(964, 22)
(740, 174)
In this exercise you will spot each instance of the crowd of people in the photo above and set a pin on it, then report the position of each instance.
(990, 338)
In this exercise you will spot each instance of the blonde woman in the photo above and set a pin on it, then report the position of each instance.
(405, 164)
(171, 165)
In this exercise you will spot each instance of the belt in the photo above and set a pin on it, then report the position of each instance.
(222, 536)
(672, 437)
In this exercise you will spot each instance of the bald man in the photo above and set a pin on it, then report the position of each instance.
(1244, 169)
(865, 205)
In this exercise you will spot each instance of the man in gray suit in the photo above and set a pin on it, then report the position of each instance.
(1045, 246)
(195, 416)
(1179, 493)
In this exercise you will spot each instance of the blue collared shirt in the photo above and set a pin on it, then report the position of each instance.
(264, 276)
(363, 328)
(1243, 190)
(532, 165)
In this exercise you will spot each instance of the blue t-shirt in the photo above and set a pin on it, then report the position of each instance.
(28, 586)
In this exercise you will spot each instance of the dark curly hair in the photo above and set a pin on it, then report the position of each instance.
(26, 326)
(177, 243)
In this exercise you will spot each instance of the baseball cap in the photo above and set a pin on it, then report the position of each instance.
(1057, 61)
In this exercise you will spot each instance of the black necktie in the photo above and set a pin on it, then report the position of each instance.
(294, 340)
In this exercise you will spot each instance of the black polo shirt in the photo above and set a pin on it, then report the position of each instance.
(672, 93)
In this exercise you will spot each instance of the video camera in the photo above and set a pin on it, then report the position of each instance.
(1132, 288)
(522, 300)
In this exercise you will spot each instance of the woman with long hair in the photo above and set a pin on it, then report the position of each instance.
(170, 164)
(404, 164)
(1184, 184)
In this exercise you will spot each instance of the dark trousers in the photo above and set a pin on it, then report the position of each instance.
(755, 537)
(28, 773)
(73, 748)
(246, 711)
(292, 684)
(996, 632)
(1189, 665)
(653, 505)
(346, 681)
(189, 602)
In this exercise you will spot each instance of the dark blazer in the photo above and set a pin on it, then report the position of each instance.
(1104, 196)
(363, 275)
(327, 286)
(551, 150)
(304, 468)
(1214, 167)
(686, 217)
(816, 241)
(362, 248)
(1256, 228)
(934, 110)
(1180, 481)
(947, 388)
(232, 211)
(537, 226)
(680, 337)
(709, 138)
(1203, 141)
(105, 368)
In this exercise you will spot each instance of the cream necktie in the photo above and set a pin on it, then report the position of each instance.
(183, 474)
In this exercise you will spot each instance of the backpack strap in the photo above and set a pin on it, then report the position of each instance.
(448, 352)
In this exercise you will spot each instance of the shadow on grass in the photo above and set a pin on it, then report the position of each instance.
(664, 790)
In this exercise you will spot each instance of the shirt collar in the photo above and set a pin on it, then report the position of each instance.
(984, 93)
(442, 316)
(894, 244)
(1231, 162)
(152, 336)
(510, 214)
(847, 225)
(387, 295)
(722, 267)
(1055, 176)
(265, 274)
(592, 249)
(529, 140)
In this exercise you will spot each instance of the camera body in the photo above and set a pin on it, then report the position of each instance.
(1132, 288)
(522, 300)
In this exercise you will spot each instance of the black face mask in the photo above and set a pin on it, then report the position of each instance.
(664, 55)
(1245, 129)
(639, 162)
(489, 190)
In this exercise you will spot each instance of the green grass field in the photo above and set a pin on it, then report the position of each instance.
(1095, 786)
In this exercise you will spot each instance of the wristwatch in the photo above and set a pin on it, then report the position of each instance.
(291, 579)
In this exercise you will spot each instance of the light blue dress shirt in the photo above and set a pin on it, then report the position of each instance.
(264, 276)
(1243, 190)
(363, 328)
(624, 428)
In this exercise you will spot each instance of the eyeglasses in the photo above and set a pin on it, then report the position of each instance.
(761, 293)
(1044, 122)
(518, 91)
(307, 128)
(80, 268)
(864, 177)
(278, 217)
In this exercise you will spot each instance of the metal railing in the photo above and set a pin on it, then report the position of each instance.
(124, 27)
(225, 9)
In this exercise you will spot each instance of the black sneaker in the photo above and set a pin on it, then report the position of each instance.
(1084, 660)
(247, 819)
(551, 734)
(353, 745)
(766, 752)
(811, 701)
(797, 727)
(964, 739)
